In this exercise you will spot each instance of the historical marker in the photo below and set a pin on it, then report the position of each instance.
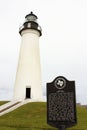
(61, 103)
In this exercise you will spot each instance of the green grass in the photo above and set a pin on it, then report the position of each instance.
(3, 102)
(32, 116)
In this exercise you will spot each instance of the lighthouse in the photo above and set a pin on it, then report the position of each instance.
(28, 83)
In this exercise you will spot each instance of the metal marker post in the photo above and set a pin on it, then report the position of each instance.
(62, 127)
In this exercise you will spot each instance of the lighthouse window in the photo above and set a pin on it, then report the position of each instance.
(29, 25)
(31, 18)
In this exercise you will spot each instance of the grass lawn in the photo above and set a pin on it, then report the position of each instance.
(3, 102)
(32, 116)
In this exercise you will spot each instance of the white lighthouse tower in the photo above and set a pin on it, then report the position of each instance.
(28, 77)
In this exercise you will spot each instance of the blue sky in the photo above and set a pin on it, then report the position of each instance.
(63, 43)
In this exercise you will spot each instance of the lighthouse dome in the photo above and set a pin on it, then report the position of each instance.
(31, 23)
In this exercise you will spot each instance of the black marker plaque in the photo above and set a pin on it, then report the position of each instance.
(61, 103)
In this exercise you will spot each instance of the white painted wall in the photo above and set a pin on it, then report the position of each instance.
(28, 72)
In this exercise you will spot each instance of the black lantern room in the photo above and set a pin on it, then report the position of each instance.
(30, 23)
